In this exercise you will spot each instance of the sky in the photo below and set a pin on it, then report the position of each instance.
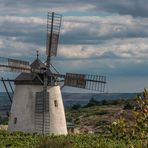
(102, 37)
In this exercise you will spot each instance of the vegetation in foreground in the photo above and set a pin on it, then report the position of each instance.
(21, 140)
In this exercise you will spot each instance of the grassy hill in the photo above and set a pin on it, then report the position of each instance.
(95, 117)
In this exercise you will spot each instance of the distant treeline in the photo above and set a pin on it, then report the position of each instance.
(93, 102)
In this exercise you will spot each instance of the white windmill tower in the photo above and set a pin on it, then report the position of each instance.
(37, 104)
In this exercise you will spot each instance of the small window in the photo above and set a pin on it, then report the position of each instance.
(55, 103)
(15, 120)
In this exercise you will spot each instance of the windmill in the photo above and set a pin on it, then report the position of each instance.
(37, 104)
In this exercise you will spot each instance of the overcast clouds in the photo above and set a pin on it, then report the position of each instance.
(99, 36)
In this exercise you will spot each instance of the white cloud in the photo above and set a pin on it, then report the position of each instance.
(122, 48)
(29, 7)
(12, 48)
(2, 45)
(22, 20)
(85, 36)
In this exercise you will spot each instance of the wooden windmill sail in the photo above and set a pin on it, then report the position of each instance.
(37, 104)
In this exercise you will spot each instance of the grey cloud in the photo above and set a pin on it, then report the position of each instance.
(103, 35)
(109, 55)
(136, 8)
(103, 66)
(32, 33)
(79, 35)
(27, 7)
(85, 36)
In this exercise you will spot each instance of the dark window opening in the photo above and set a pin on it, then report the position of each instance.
(55, 103)
(15, 120)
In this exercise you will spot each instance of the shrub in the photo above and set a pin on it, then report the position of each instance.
(3, 121)
(137, 128)
(128, 106)
(92, 102)
(76, 106)
(102, 112)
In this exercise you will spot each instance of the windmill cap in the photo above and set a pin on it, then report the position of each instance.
(37, 64)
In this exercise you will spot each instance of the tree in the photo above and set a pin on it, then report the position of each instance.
(92, 102)
(128, 106)
(76, 106)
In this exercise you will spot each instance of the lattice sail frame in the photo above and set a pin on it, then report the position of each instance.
(13, 65)
(91, 82)
(53, 30)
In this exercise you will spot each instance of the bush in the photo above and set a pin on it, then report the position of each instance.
(102, 112)
(137, 128)
(92, 102)
(104, 102)
(76, 106)
(128, 106)
(3, 121)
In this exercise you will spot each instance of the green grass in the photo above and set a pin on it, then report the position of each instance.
(22, 140)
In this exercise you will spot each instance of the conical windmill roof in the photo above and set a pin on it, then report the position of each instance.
(37, 64)
(31, 78)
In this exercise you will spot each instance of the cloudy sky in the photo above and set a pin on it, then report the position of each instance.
(103, 37)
